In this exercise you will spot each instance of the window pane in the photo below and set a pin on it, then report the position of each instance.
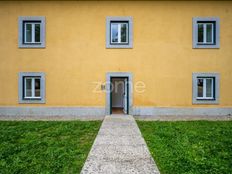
(37, 87)
(28, 88)
(124, 32)
(114, 33)
(28, 33)
(200, 33)
(209, 87)
(37, 32)
(209, 31)
(199, 87)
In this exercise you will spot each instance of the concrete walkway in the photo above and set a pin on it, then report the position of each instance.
(119, 148)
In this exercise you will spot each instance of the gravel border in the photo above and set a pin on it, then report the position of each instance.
(183, 118)
(51, 118)
(93, 117)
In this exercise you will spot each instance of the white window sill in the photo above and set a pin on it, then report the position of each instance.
(28, 98)
(205, 98)
(32, 43)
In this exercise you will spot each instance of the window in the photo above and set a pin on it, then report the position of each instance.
(31, 87)
(119, 32)
(205, 88)
(31, 32)
(206, 33)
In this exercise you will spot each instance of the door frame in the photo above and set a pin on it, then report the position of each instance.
(126, 85)
(111, 75)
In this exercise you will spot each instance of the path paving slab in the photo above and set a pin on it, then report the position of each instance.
(119, 148)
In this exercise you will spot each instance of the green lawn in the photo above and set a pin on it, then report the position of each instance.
(196, 147)
(45, 147)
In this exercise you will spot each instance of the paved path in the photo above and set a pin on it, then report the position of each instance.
(119, 148)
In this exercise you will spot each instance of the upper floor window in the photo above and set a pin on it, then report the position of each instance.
(205, 88)
(31, 87)
(31, 32)
(119, 32)
(206, 33)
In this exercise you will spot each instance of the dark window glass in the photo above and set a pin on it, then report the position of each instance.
(28, 87)
(200, 33)
(209, 87)
(209, 30)
(37, 32)
(28, 33)
(123, 32)
(37, 87)
(199, 87)
(114, 33)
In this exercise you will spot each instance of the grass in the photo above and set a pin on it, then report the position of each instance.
(194, 147)
(45, 147)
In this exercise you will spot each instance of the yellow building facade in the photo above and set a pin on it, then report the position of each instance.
(166, 69)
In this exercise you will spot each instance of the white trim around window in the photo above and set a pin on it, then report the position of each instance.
(31, 87)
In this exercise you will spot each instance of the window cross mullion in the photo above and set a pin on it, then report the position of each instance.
(204, 88)
(33, 87)
(119, 33)
(204, 33)
(33, 33)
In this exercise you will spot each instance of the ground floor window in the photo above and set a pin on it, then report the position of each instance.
(31, 87)
(205, 88)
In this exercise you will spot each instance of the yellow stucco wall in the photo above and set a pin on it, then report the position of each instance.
(75, 55)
